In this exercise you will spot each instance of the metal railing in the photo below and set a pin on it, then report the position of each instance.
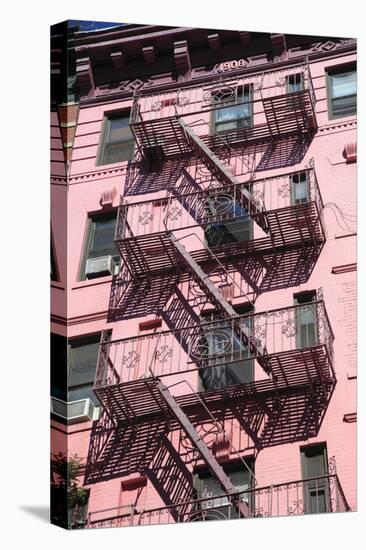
(322, 494)
(218, 93)
(213, 205)
(217, 343)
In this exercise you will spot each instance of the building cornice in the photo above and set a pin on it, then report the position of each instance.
(253, 65)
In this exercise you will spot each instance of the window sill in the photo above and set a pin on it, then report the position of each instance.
(340, 119)
(93, 282)
(112, 165)
(56, 284)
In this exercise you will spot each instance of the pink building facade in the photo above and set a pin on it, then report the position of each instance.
(204, 274)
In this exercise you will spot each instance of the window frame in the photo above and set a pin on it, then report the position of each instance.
(299, 340)
(288, 85)
(213, 122)
(248, 361)
(322, 485)
(107, 117)
(85, 339)
(55, 272)
(86, 247)
(293, 184)
(232, 466)
(344, 67)
(229, 222)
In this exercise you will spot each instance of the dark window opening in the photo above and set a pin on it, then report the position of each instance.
(117, 143)
(229, 357)
(314, 465)
(342, 91)
(217, 505)
(58, 366)
(54, 270)
(232, 222)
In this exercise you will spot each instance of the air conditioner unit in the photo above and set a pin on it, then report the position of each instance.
(95, 267)
(74, 411)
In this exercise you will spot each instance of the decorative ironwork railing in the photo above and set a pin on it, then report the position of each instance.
(219, 342)
(323, 494)
(221, 92)
(216, 204)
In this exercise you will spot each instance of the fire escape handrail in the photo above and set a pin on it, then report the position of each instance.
(214, 420)
(244, 75)
(268, 489)
(218, 321)
(213, 255)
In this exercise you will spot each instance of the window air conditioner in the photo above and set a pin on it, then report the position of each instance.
(74, 411)
(95, 267)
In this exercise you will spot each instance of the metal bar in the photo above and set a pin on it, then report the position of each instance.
(202, 448)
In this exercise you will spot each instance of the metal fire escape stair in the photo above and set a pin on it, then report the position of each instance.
(218, 300)
(202, 448)
(223, 174)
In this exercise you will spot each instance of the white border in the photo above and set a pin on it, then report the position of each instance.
(25, 268)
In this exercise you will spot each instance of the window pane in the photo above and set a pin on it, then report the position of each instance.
(295, 83)
(343, 92)
(118, 143)
(118, 152)
(344, 105)
(103, 233)
(82, 363)
(300, 190)
(119, 129)
(343, 84)
(235, 116)
(231, 359)
(219, 507)
(102, 242)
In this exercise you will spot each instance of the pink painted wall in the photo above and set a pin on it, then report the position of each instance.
(87, 301)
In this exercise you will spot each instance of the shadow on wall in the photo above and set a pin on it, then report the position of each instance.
(131, 298)
(288, 417)
(279, 153)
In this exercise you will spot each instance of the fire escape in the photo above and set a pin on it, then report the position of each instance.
(139, 380)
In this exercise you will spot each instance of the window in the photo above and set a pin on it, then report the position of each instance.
(207, 486)
(82, 363)
(58, 366)
(342, 92)
(305, 320)
(229, 358)
(54, 270)
(117, 140)
(100, 244)
(314, 465)
(233, 221)
(294, 83)
(299, 188)
(234, 117)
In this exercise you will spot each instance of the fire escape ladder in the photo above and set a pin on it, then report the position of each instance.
(223, 174)
(171, 478)
(217, 299)
(203, 450)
